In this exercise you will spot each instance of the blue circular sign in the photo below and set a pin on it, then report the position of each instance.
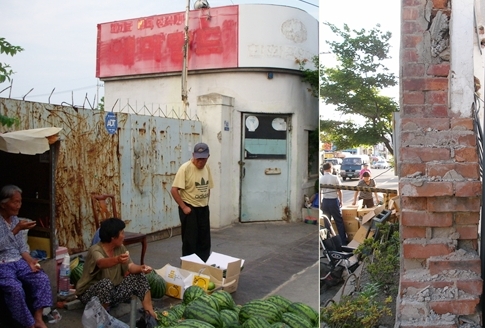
(111, 122)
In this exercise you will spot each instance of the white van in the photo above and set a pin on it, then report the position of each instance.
(351, 166)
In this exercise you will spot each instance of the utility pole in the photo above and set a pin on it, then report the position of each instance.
(185, 61)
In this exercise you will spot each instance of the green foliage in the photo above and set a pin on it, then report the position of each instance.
(363, 308)
(5, 73)
(353, 87)
(9, 49)
(382, 256)
(8, 121)
(101, 104)
(309, 75)
(355, 311)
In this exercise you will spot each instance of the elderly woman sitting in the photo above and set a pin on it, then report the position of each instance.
(105, 268)
(25, 286)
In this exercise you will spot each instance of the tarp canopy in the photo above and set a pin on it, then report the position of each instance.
(29, 142)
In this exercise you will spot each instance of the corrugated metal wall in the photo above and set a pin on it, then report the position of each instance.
(137, 164)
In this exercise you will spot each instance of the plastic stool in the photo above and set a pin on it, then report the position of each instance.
(133, 311)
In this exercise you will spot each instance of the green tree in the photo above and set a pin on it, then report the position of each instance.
(9, 49)
(101, 104)
(6, 72)
(354, 86)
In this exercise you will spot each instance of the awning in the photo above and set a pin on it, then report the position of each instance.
(29, 142)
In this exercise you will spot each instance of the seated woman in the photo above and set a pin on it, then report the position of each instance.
(25, 286)
(104, 270)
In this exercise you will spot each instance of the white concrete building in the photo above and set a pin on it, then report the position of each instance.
(244, 85)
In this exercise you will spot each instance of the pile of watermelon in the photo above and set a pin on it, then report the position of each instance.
(218, 310)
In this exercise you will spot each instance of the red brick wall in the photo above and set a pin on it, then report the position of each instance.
(438, 162)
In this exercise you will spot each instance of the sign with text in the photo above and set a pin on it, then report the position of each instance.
(111, 122)
(155, 44)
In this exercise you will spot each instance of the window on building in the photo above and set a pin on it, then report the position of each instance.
(313, 162)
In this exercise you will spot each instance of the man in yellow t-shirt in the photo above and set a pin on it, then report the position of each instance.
(191, 190)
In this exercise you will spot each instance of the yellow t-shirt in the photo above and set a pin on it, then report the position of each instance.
(194, 184)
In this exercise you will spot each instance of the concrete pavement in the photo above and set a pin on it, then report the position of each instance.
(280, 258)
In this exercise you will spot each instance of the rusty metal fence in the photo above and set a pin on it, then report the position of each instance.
(137, 163)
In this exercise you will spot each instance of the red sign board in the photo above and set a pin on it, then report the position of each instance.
(154, 44)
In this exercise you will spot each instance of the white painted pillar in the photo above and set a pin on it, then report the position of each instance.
(461, 38)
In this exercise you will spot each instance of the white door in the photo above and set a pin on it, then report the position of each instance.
(264, 168)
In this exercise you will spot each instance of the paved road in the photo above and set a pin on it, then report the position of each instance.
(384, 179)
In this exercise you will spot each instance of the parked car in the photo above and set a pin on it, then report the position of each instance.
(382, 164)
(336, 165)
(352, 165)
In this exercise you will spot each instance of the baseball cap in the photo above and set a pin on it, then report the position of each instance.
(201, 150)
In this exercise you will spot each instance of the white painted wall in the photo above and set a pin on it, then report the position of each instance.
(274, 36)
(252, 92)
(478, 51)
(271, 38)
(461, 35)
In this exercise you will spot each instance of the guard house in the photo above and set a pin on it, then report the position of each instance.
(244, 85)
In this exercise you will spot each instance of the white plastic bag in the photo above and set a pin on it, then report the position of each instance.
(96, 316)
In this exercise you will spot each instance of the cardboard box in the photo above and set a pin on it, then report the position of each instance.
(396, 202)
(350, 212)
(367, 218)
(178, 280)
(351, 226)
(379, 209)
(216, 265)
(363, 211)
(359, 236)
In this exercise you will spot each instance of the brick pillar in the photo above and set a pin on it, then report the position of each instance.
(439, 184)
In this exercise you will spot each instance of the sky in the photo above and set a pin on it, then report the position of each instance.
(59, 41)
(357, 14)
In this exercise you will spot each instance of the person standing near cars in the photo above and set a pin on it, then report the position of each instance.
(365, 195)
(331, 200)
(191, 190)
(365, 169)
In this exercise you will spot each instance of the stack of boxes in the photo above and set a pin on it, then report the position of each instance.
(351, 220)
(357, 220)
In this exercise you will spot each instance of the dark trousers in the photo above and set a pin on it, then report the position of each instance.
(331, 208)
(196, 233)
(367, 202)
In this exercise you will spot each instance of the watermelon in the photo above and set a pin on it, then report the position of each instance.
(167, 318)
(192, 293)
(76, 273)
(178, 309)
(201, 311)
(224, 299)
(229, 317)
(280, 301)
(264, 309)
(295, 321)
(157, 284)
(193, 323)
(304, 310)
(256, 322)
(279, 325)
(207, 299)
